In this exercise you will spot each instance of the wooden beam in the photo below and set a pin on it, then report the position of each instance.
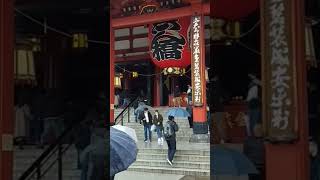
(131, 21)
(133, 50)
(144, 57)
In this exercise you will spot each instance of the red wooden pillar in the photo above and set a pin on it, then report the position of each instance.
(6, 88)
(290, 161)
(112, 60)
(200, 125)
(156, 88)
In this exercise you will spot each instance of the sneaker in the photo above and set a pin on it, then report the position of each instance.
(145, 141)
(169, 162)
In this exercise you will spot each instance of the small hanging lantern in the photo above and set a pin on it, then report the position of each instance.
(222, 29)
(80, 40)
(36, 44)
(310, 51)
(174, 71)
(24, 67)
(207, 74)
(117, 82)
(135, 74)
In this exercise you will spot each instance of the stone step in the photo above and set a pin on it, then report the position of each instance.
(177, 157)
(24, 158)
(138, 126)
(170, 170)
(154, 138)
(181, 132)
(164, 150)
(176, 164)
(53, 175)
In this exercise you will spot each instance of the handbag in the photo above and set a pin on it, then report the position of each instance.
(153, 127)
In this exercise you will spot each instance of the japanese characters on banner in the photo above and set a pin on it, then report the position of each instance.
(279, 67)
(169, 43)
(196, 65)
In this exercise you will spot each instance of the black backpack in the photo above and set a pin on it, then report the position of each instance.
(168, 130)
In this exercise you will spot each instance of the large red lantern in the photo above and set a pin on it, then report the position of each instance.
(169, 43)
(233, 9)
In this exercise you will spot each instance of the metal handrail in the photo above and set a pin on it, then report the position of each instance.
(35, 168)
(126, 110)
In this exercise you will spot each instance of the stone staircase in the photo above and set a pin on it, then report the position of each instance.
(191, 159)
(24, 158)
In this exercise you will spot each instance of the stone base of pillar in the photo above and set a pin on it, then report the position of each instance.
(200, 128)
(200, 138)
(200, 133)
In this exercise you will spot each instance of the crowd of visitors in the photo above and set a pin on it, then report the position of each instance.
(41, 117)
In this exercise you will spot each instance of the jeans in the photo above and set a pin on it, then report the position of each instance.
(159, 131)
(49, 125)
(190, 121)
(218, 117)
(96, 167)
(147, 128)
(171, 148)
(254, 118)
(136, 116)
(78, 158)
(36, 126)
(84, 168)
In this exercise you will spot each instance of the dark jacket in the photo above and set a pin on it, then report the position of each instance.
(189, 109)
(176, 92)
(315, 168)
(175, 128)
(158, 121)
(217, 99)
(143, 118)
(82, 136)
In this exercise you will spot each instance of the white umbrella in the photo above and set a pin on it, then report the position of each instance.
(131, 132)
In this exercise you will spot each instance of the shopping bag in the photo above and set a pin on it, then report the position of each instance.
(153, 127)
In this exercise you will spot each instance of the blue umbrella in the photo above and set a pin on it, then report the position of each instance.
(178, 112)
(226, 161)
(123, 151)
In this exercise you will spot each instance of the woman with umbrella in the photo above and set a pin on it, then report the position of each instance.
(123, 149)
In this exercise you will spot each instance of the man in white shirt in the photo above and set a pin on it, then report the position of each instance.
(146, 118)
(253, 101)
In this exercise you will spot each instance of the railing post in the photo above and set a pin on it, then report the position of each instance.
(121, 119)
(128, 114)
(60, 162)
(38, 172)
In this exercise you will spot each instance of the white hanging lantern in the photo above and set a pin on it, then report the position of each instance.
(117, 82)
(24, 67)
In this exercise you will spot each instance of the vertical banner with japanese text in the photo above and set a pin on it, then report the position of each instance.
(197, 60)
(279, 69)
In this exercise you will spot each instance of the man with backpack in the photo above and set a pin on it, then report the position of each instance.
(170, 129)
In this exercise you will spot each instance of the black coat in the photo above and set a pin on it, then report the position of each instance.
(142, 118)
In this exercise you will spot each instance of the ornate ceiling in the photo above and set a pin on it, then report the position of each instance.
(122, 8)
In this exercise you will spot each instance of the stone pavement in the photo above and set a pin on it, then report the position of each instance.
(125, 175)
